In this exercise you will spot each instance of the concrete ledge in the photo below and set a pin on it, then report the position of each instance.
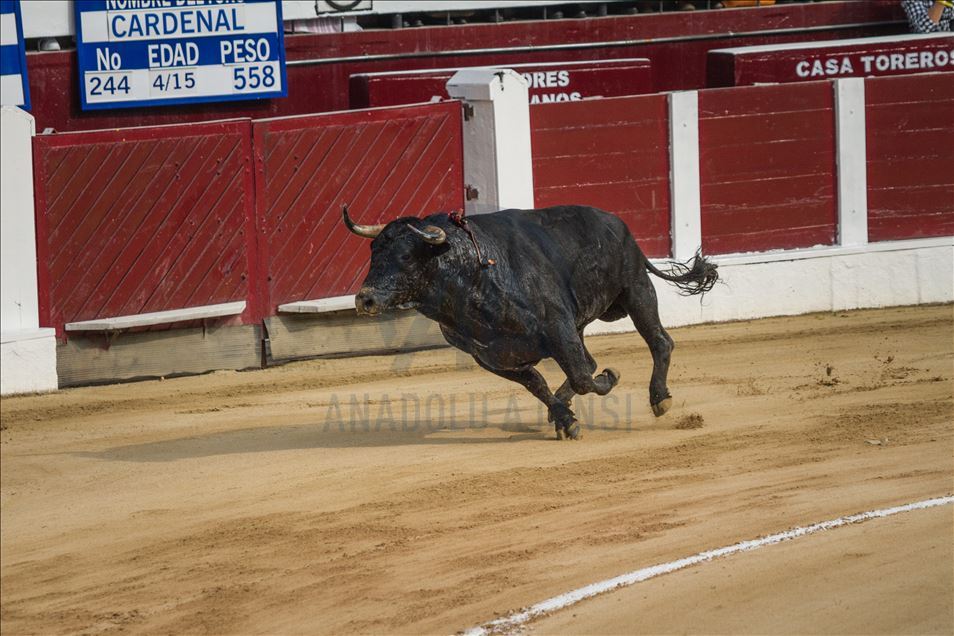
(776, 256)
(319, 306)
(158, 317)
(344, 333)
(28, 361)
(95, 358)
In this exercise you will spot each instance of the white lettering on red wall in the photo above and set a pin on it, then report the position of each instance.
(550, 79)
(848, 65)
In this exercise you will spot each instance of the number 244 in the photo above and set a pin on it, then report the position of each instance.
(110, 85)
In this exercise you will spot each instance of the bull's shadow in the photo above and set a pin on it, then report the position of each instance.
(365, 421)
(312, 436)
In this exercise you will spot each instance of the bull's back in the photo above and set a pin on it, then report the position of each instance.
(574, 229)
(580, 228)
(581, 250)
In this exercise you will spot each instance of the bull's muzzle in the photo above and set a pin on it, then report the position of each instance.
(366, 303)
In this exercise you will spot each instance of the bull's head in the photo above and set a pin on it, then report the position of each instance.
(401, 254)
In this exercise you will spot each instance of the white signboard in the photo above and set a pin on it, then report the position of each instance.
(149, 52)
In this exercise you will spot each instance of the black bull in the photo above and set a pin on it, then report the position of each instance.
(523, 288)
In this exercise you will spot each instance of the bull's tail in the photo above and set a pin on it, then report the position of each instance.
(696, 276)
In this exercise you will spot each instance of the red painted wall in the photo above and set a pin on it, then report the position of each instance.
(900, 55)
(149, 219)
(548, 83)
(910, 144)
(609, 153)
(767, 167)
(135, 221)
(423, 42)
(323, 85)
(384, 163)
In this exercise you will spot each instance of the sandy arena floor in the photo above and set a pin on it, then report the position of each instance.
(416, 494)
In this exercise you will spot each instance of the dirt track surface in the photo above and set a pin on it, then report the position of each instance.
(417, 494)
(892, 576)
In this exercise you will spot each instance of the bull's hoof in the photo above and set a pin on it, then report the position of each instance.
(661, 408)
(566, 425)
(574, 431)
(571, 431)
(612, 375)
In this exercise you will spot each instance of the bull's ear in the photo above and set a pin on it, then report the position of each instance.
(430, 234)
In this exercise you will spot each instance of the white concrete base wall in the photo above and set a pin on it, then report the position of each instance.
(804, 281)
(28, 351)
(28, 361)
(18, 287)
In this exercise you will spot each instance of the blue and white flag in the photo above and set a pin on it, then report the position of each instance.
(14, 88)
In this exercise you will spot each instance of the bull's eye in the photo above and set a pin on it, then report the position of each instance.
(405, 258)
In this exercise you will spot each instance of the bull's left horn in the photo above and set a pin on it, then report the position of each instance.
(431, 234)
(367, 231)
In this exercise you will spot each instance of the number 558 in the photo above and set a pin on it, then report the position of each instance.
(253, 77)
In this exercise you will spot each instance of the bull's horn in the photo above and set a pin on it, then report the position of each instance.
(367, 231)
(431, 234)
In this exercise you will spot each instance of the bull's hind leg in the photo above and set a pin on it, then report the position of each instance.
(558, 412)
(639, 301)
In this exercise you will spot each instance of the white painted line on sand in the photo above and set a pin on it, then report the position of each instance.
(512, 621)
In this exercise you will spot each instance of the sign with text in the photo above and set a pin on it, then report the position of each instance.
(156, 52)
(14, 88)
(549, 82)
(832, 59)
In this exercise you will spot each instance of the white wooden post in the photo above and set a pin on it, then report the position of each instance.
(684, 174)
(851, 158)
(27, 352)
(498, 165)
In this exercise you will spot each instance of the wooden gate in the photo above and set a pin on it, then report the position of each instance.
(144, 220)
(609, 153)
(383, 163)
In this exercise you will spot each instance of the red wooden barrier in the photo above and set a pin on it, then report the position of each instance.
(549, 82)
(910, 144)
(385, 163)
(609, 153)
(807, 61)
(142, 220)
(767, 167)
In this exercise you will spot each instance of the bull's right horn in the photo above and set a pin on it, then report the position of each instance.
(431, 234)
(367, 231)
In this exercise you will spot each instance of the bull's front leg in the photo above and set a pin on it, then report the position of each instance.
(565, 393)
(559, 413)
(578, 365)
